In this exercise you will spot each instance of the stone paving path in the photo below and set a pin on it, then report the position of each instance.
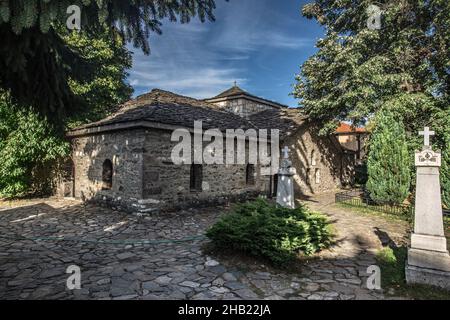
(116, 269)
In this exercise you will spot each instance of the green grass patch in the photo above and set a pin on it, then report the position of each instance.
(392, 217)
(392, 262)
(370, 211)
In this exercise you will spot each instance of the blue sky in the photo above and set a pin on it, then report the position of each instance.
(261, 44)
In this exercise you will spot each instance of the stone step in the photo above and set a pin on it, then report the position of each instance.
(140, 206)
(148, 201)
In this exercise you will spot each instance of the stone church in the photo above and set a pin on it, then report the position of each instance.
(125, 159)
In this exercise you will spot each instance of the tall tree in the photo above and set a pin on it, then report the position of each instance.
(388, 164)
(402, 67)
(107, 86)
(35, 62)
(30, 145)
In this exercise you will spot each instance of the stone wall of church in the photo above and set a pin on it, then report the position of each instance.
(144, 177)
(318, 161)
(243, 107)
(124, 150)
(168, 185)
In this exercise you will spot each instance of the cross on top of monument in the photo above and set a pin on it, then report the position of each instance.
(285, 152)
(426, 134)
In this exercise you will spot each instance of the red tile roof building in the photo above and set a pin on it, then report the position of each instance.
(353, 139)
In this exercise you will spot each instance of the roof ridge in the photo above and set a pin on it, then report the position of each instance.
(159, 92)
(236, 91)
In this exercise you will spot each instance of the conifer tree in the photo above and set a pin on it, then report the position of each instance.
(35, 62)
(388, 163)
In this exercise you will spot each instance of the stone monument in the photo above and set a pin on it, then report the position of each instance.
(285, 186)
(428, 258)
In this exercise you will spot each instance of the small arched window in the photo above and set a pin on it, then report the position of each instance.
(250, 174)
(313, 158)
(275, 185)
(68, 176)
(107, 173)
(196, 177)
(68, 170)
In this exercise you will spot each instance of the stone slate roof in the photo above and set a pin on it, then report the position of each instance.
(286, 120)
(235, 91)
(172, 109)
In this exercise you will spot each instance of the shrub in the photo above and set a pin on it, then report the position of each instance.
(265, 230)
(388, 163)
(27, 143)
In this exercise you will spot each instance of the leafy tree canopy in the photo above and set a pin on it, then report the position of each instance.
(357, 70)
(403, 67)
(107, 86)
(27, 142)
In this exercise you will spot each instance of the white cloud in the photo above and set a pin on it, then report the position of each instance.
(198, 83)
(201, 60)
(182, 62)
(254, 25)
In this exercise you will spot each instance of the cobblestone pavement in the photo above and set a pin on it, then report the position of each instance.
(113, 267)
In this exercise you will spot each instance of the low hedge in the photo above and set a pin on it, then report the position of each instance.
(265, 230)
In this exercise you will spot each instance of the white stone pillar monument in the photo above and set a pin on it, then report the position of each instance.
(285, 186)
(428, 258)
